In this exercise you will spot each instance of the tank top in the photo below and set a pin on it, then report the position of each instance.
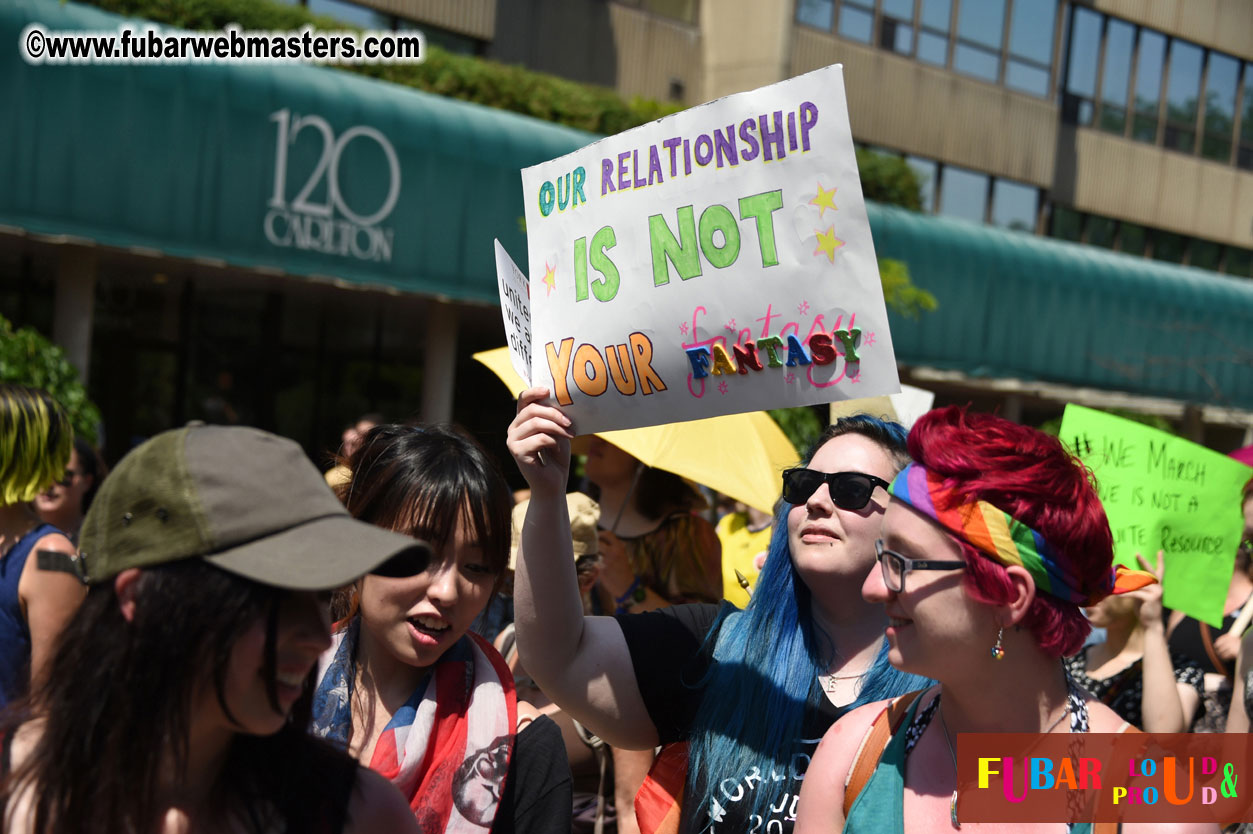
(880, 807)
(14, 632)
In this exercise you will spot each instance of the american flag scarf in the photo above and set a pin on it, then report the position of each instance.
(448, 748)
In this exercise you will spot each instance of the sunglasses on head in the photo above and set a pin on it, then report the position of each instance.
(409, 562)
(849, 490)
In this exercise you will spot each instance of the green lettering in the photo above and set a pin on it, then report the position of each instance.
(761, 207)
(683, 255)
(711, 220)
(771, 344)
(580, 269)
(604, 288)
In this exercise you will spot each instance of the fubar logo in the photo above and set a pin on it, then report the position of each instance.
(329, 225)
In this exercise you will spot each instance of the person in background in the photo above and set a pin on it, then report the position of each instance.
(349, 441)
(65, 503)
(188, 668)
(745, 535)
(733, 695)
(407, 688)
(1133, 671)
(35, 604)
(993, 539)
(656, 551)
(587, 754)
(1242, 693)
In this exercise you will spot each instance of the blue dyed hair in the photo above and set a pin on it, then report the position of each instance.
(766, 660)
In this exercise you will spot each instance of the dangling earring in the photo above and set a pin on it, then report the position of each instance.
(998, 650)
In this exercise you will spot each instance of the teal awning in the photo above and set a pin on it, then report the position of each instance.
(185, 159)
(1017, 305)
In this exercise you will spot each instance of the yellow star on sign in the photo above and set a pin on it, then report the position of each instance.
(828, 243)
(550, 278)
(824, 200)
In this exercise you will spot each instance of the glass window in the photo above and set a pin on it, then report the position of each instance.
(899, 9)
(976, 62)
(937, 14)
(981, 21)
(1239, 262)
(1183, 89)
(1027, 78)
(1066, 223)
(1169, 247)
(856, 23)
(351, 13)
(1119, 38)
(933, 49)
(1150, 57)
(896, 35)
(1205, 255)
(926, 171)
(1101, 231)
(1220, 106)
(1031, 30)
(1132, 238)
(963, 194)
(1244, 154)
(1013, 205)
(816, 13)
(1085, 43)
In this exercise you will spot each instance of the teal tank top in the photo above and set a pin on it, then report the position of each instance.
(880, 807)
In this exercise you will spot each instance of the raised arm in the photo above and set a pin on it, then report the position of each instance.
(1167, 706)
(1237, 716)
(582, 663)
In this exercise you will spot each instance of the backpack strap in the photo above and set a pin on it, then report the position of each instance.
(873, 744)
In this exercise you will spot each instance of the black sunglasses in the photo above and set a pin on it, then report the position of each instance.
(849, 490)
(409, 562)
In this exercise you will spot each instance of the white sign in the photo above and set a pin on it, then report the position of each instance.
(712, 262)
(515, 309)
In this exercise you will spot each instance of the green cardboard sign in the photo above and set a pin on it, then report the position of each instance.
(1165, 493)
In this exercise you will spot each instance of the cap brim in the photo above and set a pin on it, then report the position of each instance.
(318, 555)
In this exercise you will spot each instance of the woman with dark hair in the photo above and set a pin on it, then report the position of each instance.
(178, 697)
(993, 539)
(66, 501)
(407, 688)
(739, 698)
(35, 437)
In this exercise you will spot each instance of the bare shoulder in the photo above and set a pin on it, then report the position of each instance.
(1102, 719)
(842, 740)
(377, 805)
(56, 541)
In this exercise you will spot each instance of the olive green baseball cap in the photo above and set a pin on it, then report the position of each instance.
(242, 499)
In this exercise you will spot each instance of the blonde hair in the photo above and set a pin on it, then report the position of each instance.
(35, 442)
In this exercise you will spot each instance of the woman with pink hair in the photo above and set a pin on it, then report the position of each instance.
(993, 539)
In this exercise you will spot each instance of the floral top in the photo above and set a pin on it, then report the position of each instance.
(1122, 692)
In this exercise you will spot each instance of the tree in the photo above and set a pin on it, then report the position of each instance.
(26, 357)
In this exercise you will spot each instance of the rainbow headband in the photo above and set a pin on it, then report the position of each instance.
(1001, 537)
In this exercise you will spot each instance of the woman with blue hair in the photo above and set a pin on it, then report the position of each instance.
(740, 699)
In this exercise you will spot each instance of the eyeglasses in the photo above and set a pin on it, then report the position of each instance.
(895, 566)
(849, 490)
(409, 562)
(1245, 549)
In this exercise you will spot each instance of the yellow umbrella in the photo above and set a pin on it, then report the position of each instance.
(740, 455)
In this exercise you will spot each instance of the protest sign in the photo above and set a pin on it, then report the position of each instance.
(1162, 492)
(712, 262)
(515, 309)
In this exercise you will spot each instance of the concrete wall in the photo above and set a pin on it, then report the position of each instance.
(1226, 25)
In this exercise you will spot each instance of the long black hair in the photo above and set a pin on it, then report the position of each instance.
(116, 709)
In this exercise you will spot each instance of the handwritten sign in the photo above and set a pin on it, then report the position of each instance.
(715, 261)
(1165, 493)
(515, 309)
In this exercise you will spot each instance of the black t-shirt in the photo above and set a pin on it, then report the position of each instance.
(537, 797)
(670, 655)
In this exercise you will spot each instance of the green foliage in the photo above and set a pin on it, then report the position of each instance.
(583, 106)
(801, 425)
(888, 179)
(28, 358)
(899, 292)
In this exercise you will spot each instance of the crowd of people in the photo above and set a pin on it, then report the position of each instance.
(216, 635)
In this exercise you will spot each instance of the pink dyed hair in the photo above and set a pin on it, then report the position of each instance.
(1031, 476)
